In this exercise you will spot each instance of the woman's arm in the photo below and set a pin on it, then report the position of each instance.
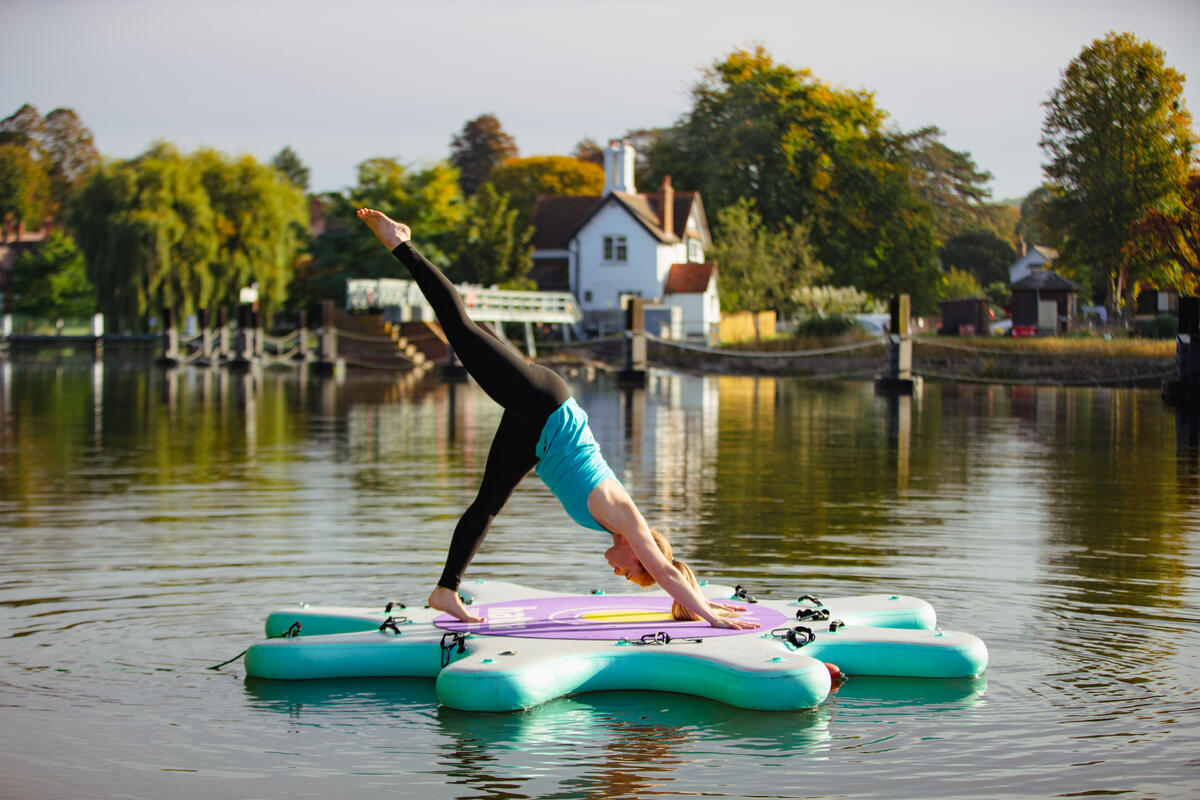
(612, 507)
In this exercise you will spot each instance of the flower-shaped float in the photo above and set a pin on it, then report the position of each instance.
(535, 646)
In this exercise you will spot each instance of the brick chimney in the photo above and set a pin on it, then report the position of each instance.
(668, 207)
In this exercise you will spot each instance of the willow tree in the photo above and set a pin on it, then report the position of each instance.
(1119, 141)
(261, 223)
(148, 232)
(492, 248)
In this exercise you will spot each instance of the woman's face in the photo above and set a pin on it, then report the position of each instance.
(621, 558)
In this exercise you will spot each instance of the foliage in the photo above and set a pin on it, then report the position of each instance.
(1119, 142)
(998, 294)
(61, 144)
(165, 230)
(957, 284)
(804, 150)
(1163, 326)
(289, 163)
(1034, 226)
(477, 149)
(24, 187)
(835, 300)
(950, 182)
(1175, 235)
(823, 327)
(51, 280)
(588, 149)
(761, 268)
(523, 179)
(492, 249)
(979, 252)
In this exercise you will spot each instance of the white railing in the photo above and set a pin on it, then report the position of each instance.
(488, 305)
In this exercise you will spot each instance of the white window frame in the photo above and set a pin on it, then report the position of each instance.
(616, 249)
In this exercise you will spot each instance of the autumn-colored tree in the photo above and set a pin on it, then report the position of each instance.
(24, 189)
(523, 179)
(1174, 236)
(61, 144)
(1119, 141)
(478, 148)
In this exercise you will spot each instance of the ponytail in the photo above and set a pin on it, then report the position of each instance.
(678, 610)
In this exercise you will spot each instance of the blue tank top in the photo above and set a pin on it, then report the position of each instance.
(570, 463)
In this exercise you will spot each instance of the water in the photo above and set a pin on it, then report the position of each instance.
(149, 520)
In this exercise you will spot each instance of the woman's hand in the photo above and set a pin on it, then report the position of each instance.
(725, 606)
(733, 622)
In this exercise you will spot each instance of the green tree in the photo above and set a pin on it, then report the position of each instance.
(950, 182)
(60, 143)
(981, 253)
(261, 223)
(491, 248)
(761, 269)
(51, 280)
(148, 231)
(1034, 226)
(24, 189)
(802, 149)
(1119, 141)
(957, 284)
(477, 148)
(292, 168)
(523, 179)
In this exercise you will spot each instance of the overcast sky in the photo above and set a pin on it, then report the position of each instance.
(346, 80)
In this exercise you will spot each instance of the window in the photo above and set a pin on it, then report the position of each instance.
(587, 296)
(614, 249)
(695, 251)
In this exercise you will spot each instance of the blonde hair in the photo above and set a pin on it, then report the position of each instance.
(644, 579)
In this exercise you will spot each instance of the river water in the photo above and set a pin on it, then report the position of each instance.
(149, 520)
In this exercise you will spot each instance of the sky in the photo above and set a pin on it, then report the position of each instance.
(346, 80)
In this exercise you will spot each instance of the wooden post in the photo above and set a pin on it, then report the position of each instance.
(1184, 389)
(222, 335)
(327, 345)
(243, 345)
(634, 373)
(302, 352)
(170, 339)
(898, 377)
(206, 337)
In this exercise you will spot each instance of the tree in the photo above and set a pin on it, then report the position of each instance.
(761, 269)
(981, 253)
(261, 223)
(950, 182)
(24, 189)
(147, 229)
(292, 168)
(958, 284)
(802, 149)
(588, 149)
(1174, 236)
(60, 143)
(1034, 226)
(480, 146)
(51, 280)
(491, 248)
(1119, 142)
(523, 179)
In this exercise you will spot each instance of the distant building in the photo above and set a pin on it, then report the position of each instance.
(15, 240)
(1038, 257)
(1044, 300)
(625, 244)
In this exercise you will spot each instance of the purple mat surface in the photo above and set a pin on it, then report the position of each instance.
(597, 617)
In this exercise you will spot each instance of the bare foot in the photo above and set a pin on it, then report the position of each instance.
(444, 599)
(386, 230)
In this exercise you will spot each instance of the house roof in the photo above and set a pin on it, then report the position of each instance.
(689, 278)
(557, 219)
(1049, 253)
(1045, 279)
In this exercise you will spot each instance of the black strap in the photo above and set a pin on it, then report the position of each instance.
(393, 624)
(740, 593)
(816, 614)
(810, 599)
(837, 623)
(291, 633)
(393, 604)
(797, 637)
(662, 637)
(449, 641)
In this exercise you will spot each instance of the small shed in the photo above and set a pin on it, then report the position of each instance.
(1044, 300)
(967, 316)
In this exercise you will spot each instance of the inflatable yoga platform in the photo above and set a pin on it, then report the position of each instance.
(534, 646)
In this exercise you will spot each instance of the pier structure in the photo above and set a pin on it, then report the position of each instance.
(1183, 390)
(898, 378)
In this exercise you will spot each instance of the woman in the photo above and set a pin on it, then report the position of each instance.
(543, 428)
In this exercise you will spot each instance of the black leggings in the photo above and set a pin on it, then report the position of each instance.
(528, 393)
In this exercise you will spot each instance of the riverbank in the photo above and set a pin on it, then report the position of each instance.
(1047, 361)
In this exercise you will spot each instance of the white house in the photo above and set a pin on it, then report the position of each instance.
(1037, 258)
(623, 244)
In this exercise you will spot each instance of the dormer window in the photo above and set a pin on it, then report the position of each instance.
(615, 250)
(695, 251)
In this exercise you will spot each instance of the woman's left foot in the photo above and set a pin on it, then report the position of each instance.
(389, 232)
(447, 600)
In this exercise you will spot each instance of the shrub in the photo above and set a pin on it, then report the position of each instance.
(825, 327)
(1164, 326)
